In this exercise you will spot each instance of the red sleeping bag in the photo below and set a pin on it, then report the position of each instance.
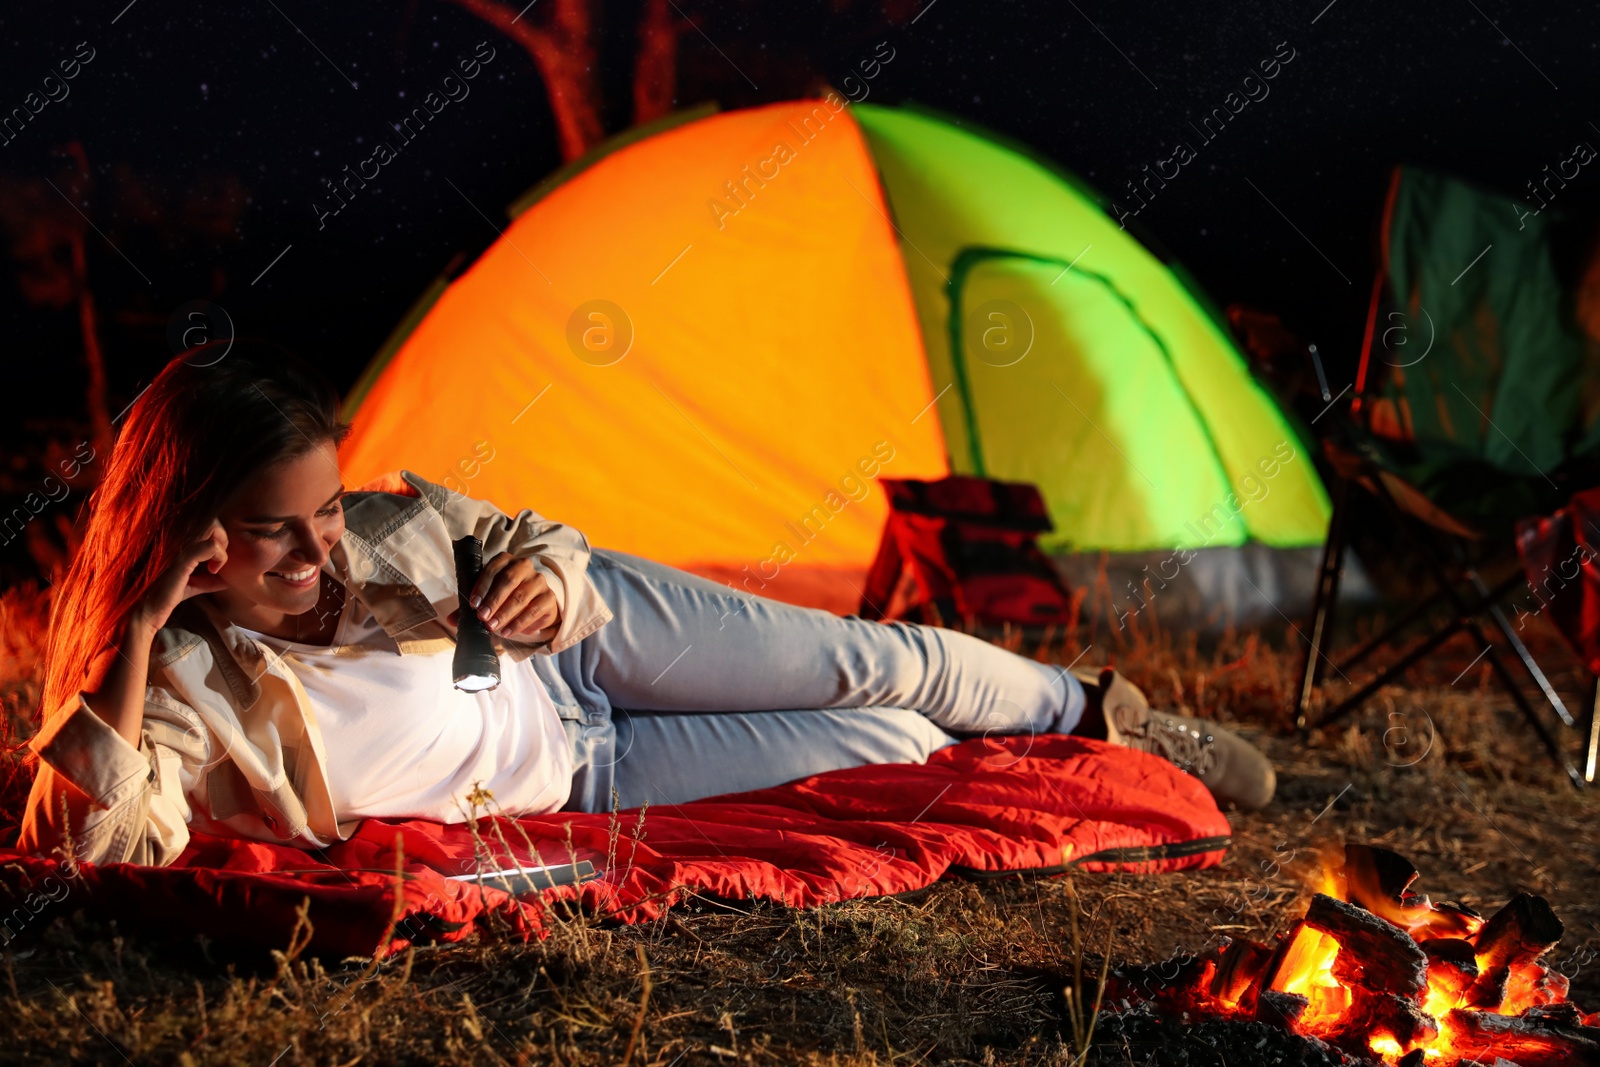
(982, 807)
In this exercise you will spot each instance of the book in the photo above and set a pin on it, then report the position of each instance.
(520, 881)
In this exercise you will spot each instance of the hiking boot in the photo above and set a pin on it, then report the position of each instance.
(1233, 769)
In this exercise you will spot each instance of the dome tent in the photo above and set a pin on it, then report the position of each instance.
(702, 342)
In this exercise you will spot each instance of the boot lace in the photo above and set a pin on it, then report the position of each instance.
(1188, 747)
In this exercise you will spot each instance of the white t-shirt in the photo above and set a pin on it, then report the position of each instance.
(403, 742)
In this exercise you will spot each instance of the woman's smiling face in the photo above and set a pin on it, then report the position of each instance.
(281, 525)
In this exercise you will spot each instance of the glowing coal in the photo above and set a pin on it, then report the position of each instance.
(1380, 972)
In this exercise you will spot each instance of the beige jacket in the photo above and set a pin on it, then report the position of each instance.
(230, 744)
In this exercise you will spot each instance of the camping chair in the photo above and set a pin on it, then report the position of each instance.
(1561, 558)
(965, 548)
(1470, 417)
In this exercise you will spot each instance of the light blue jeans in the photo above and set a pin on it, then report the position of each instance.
(695, 689)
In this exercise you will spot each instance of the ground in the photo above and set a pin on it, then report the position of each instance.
(1439, 769)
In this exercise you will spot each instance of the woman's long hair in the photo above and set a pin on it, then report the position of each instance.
(211, 419)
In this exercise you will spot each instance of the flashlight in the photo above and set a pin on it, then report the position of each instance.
(476, 667)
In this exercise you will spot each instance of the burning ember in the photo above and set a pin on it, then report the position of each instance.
(1379, 972)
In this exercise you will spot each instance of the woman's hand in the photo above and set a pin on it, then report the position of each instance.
(194, 572)
(514, 600)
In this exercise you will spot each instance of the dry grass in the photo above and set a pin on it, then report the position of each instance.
(955, 973)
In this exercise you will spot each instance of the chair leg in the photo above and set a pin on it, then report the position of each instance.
(1498, 665)
(1488, 603)
(1391, 672)
(1521, 649)
(1465, 613)
(1322, 607)
(1594, 734)
(1393, 630)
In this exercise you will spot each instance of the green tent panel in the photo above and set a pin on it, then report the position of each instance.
(1163, 438)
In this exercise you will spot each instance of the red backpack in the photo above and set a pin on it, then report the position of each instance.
(965, 548)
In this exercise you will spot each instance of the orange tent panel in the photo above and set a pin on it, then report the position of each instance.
(701, 350)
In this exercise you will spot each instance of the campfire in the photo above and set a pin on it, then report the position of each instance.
(1382, 973)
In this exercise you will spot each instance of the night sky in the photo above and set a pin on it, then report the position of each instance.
(206, 130)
